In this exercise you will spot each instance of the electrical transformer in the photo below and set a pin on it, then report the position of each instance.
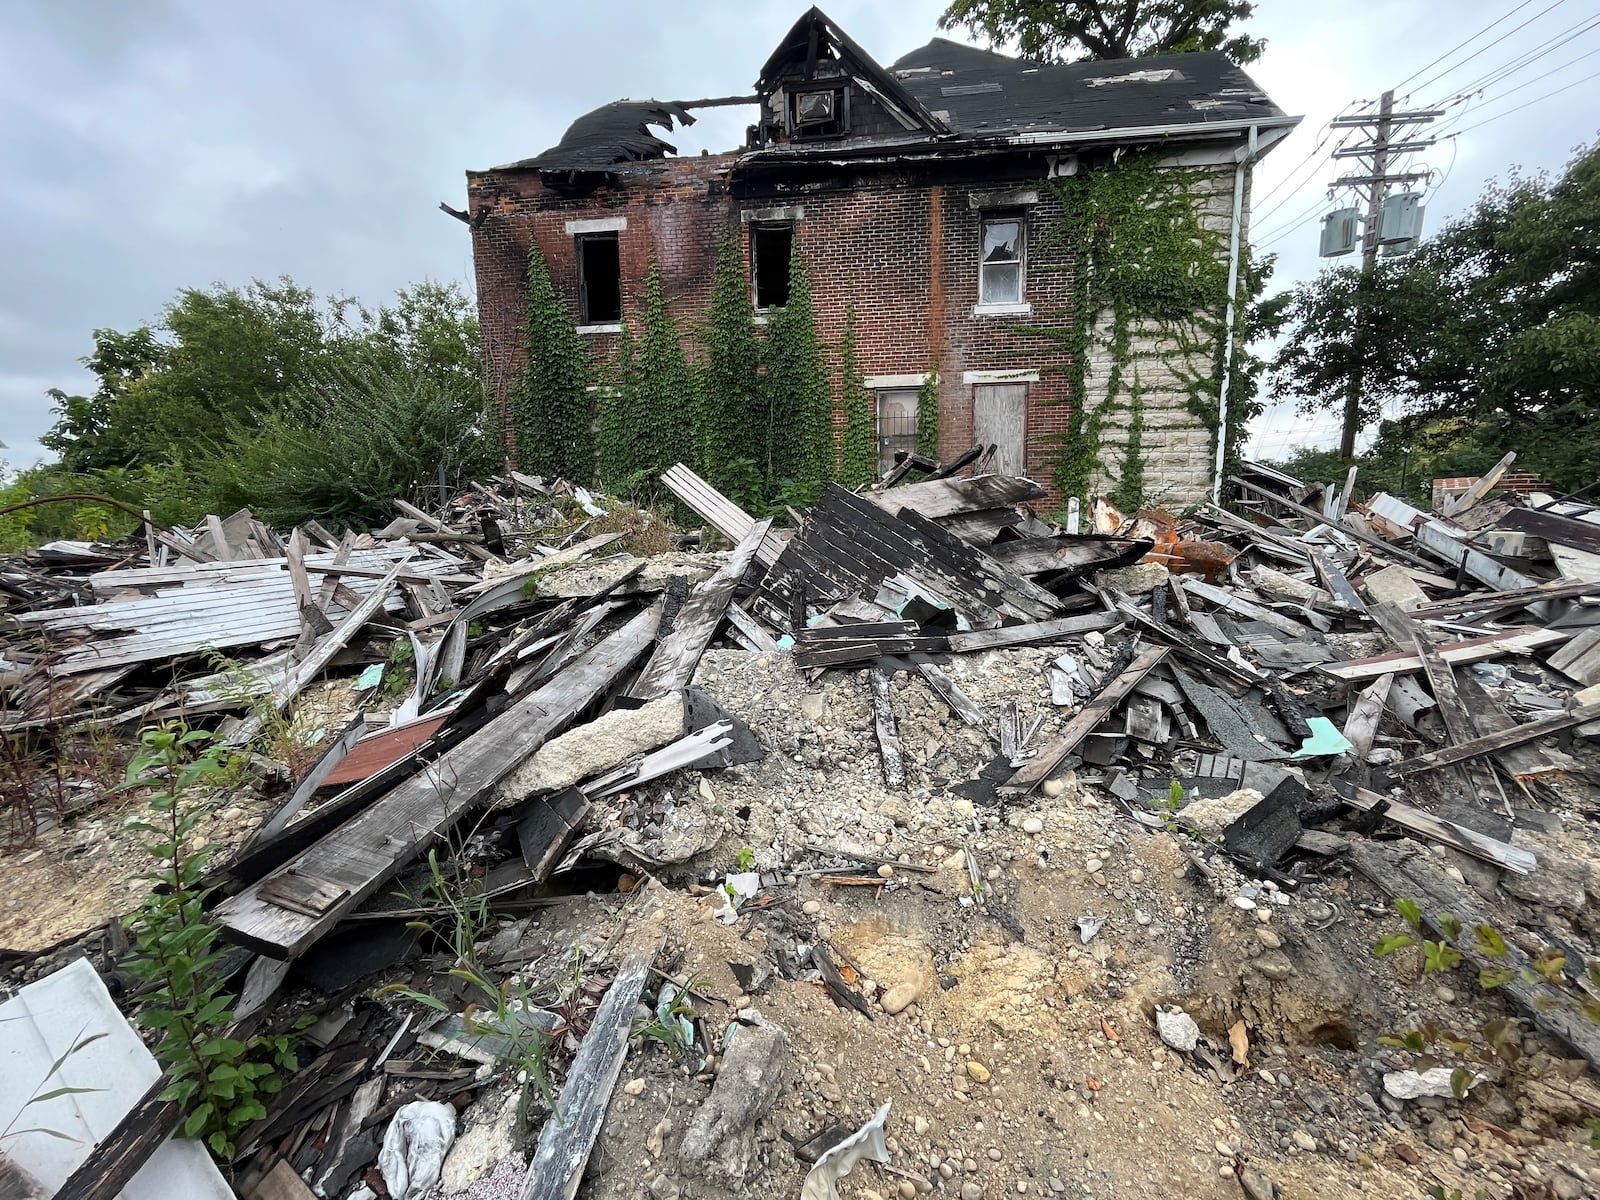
(1400, 223)
(1341, 230)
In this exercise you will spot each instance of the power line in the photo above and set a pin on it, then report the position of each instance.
(1527, 104)
(1481, 49)
(1268, 213)
(1527, 58)
(1322, 140)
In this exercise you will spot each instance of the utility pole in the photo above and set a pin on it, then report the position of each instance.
(1376, 181)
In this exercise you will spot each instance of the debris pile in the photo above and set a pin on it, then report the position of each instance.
(854, 844)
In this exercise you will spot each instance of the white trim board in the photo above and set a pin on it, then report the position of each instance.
(999, 377)
(874, 382)
(598, 225)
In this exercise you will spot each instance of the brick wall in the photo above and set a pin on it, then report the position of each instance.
(905, 251)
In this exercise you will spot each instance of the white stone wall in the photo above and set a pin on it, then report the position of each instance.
(1179, 452)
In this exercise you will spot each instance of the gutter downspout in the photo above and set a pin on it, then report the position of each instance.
(1243, 155)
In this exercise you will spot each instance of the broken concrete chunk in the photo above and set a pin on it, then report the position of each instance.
(595, 748)
(720, 1142)
(1135, 580)
(1412, 1085)
(1177, 1029)
(1211, 816)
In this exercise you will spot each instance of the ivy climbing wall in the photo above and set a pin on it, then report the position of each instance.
(1152, 379)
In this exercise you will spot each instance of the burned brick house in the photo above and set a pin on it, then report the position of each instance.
(922, 192)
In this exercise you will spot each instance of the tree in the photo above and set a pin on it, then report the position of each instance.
(550, 402)
(1519, 272)
(1075, 30)
(799, 404)
(857, 460)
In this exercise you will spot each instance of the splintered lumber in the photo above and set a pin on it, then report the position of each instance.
(1032, 633)
(1365, 714)
(279, 818)
(1415, 878)
(114, 1162)
(1087, 719)
(672, 665)
(751, 630)
(1580, 659)
(1334, 580)
(1448, 833)
(1553, 527)
(1457, 654)
(1559, 589)
(1449, 545)
(567, 1138)
(1480, 489)
(960, 703)
(1366, 539)
(1074, 553)
(363, 854)
(1517, 735)
(938, 498)
(722, 514)
(1488, 716)
(1457, 722)
(1228, 601)
(467, 541)
(888, 730)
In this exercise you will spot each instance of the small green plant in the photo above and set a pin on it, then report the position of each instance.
(673, 1024)
(401, 673)
(278, 739)
(746, 859)
(219, 1080)
(1497, 1053)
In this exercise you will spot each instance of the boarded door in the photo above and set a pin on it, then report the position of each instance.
(999, 418)
(897, 424)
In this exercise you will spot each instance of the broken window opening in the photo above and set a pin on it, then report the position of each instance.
(1000, 261)
(897, 424)
(599, 278)
(770, 249)
(818, 113)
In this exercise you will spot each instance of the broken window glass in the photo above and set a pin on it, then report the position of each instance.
(1000, 264)
(817, 114)
(770, 247)
(599, 278)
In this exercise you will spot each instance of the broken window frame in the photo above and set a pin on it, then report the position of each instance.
(812, 131)
(586, 315)
(904, 437)
(1020, 302)
(758, 228)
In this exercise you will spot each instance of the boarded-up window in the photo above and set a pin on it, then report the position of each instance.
(1000, 261)
(1000, 419)
(897, 424)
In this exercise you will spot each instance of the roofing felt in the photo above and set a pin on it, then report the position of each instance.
(619, 132)
(983, 93)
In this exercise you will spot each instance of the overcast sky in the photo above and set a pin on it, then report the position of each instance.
(172, 143)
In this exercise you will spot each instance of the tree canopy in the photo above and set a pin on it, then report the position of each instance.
(1075, 30)
(1487, 336)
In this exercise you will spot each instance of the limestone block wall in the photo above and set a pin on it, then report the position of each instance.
(1178, 450)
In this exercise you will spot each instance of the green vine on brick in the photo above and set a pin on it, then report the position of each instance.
(799, 458)
(550, 400)
(734, 417)
(857, 460)
(1141, 258)
(928, 414)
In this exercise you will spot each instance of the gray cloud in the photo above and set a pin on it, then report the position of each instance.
(178, 143)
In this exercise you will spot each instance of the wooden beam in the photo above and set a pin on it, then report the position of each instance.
(672, 665)
(888, 730)
(365, 853)
(1415, 878)
(464, 540)
(1516, 736)
(947, 690)
(113, 1163)
(278, 820)
(1480, 489)
(1448, 833)
(1457, 654)
(1087, 719)
(1559, 589)
(1334, 580)
(566, 1139)
(1457, 722)
(1361, 726)
(1364, 538)
(1032, 633)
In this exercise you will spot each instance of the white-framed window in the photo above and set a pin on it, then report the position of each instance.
(1002, 263)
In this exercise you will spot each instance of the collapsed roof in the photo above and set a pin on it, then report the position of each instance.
(948, 94)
